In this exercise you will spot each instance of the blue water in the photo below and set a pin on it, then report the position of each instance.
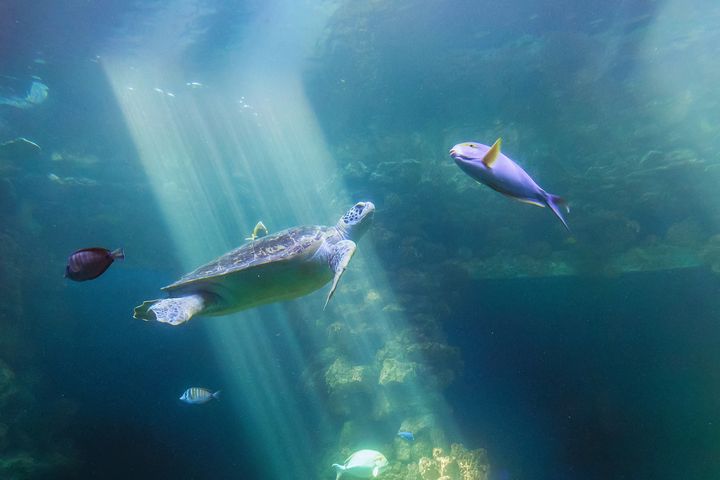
(595, 378)
(590, 355)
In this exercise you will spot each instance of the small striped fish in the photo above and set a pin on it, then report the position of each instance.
(198, 395)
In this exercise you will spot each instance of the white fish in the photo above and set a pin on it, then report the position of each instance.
(55, 179)
(362, 464)
(198, 395)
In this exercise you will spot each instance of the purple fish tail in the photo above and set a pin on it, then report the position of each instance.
(118, 254)
(557, 204)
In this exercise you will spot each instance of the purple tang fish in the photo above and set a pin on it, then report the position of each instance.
(90, 263)
(487, 165)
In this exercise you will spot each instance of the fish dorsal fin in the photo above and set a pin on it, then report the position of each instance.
(492, 154)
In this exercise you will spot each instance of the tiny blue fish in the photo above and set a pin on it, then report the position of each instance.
(198, 395)
(407, 436)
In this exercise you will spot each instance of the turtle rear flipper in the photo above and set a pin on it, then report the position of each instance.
(170, 310)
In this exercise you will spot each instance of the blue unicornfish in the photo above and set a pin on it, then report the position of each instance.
(89, 263)
(406, 436)
(198, 395)
(487, 165)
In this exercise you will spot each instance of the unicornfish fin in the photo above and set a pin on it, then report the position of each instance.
(492, 155)
(340, 256)
(376, 472)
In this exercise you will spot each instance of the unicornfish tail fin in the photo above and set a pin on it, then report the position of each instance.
(170, 310)
(118, 254)
(339, 469)
(557, 205)
(340, 256)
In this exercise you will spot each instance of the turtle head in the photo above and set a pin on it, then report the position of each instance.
(356, 221)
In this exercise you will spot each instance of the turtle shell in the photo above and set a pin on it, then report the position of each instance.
(282, 246)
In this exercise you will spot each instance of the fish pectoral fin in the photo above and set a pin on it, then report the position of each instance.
(376, 472)
(530, 201)
(492, 155)
(340, 256)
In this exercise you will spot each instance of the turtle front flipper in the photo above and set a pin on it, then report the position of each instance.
(170, 310)
(340, 255)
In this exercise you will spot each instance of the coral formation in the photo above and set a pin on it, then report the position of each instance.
(27, 434)
(630, 210)
(458, 464)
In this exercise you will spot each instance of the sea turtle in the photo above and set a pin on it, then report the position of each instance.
(282, 266)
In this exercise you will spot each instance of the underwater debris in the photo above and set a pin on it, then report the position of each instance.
(72, 181)
(36, 95)
(77, 159)
(18, 149)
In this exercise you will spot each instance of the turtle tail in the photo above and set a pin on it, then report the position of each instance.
(170, 310)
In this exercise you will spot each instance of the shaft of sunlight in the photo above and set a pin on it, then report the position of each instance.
(219, 158)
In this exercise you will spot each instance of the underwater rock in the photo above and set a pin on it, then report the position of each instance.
(654, 257)
(36, 94)
(459, 464)
(8, 197)
(72, 181)
(428, 433)
(21, 446)
(30, 444)
(342, 377)
(7, 384)
(344, 337)
(395, 371)
(710, 253)
(687, 233)
(355, 171)
(391, 173)
(74, 158)
(349, 387)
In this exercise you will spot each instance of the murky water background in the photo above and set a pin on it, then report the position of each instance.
(171, 128)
